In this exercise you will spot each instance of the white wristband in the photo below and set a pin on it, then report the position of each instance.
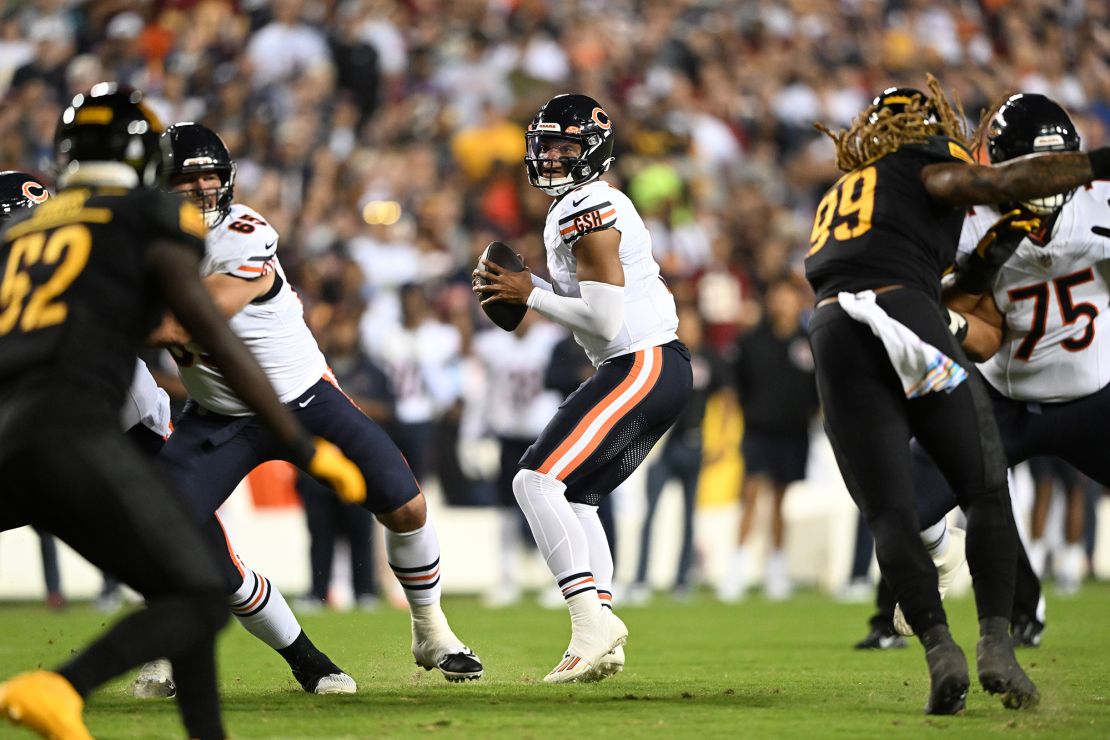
(542, 284)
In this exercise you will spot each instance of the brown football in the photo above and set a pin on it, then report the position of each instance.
(506, 315)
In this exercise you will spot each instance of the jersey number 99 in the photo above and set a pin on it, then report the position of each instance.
(849, 204)
(67, 249)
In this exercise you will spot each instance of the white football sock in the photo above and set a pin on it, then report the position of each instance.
(936, 539)
(601, 558)
(414, 558)
(560, 539)
(558, 533)
(263, 611)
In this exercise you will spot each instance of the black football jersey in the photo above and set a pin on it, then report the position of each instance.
(76, 296)
(878, 226)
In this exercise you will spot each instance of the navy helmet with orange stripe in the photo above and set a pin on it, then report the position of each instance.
(577, 119)
(193, 149)
(19, 191)
(104, 128)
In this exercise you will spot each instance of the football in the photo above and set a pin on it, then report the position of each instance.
(506, 315)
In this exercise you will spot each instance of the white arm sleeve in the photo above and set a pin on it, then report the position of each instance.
(600, 310)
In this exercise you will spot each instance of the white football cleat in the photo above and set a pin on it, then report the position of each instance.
(588, 646)
(335, 683)
(948, 567)
(155, 681)
(434, 645)
(610, 664)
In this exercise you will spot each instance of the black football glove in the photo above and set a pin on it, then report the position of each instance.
(978, 271)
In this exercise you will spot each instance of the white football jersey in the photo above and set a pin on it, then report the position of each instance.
(1056, 302)
(423, 368)
(515, 403)
(650, 317)
(272, 326)
(146, 403)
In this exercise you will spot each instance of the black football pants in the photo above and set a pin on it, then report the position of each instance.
(870, 423)
(83, 481)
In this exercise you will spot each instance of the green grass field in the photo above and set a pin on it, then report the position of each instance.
(694, 669)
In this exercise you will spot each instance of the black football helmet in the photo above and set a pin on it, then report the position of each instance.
(897, 100)
(191, 148)
(109, 123)
(1027, 123)
(576, 118)
(18, 191)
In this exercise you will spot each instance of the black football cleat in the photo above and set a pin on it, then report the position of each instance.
(1027, 631)
(999, 672)
(459, 666)
(948, 679)
(881, 638)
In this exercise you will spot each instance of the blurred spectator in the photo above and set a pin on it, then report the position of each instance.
(778, 395)
(509, 408)
(680, 458)
(286, 46)
(421, 358)
(51, 575)
(53, 42)
(1068, 558)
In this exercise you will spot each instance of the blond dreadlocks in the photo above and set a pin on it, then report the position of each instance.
(871, 137)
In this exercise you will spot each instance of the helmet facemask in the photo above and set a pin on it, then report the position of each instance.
(1028, 123)
(577, 170)
(213, 202)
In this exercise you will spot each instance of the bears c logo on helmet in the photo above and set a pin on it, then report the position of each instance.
(35, 192)
(601, 118)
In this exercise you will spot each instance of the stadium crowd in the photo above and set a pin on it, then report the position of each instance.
(384, 139)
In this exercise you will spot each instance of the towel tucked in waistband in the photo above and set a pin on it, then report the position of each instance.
(921, 367)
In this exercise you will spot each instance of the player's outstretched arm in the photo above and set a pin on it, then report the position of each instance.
(1024, 178)
(176, 268)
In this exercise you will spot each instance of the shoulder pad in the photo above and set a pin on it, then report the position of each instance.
(585, 210)
(944, 149)
(244, 244)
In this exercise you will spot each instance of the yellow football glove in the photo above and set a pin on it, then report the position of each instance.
(332, 466)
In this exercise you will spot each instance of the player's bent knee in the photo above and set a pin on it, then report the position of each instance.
(410, 516)
(527, 482)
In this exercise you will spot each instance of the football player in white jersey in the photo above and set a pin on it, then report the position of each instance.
(606, 289)
(1031, 304)
(217, 441)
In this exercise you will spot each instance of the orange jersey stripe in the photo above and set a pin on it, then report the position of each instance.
(624, 409)
(581, 427)
(608, 213)
(227, 541)
(599, 435)
(249, 268)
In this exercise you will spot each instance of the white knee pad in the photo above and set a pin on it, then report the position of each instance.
(531, 482)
